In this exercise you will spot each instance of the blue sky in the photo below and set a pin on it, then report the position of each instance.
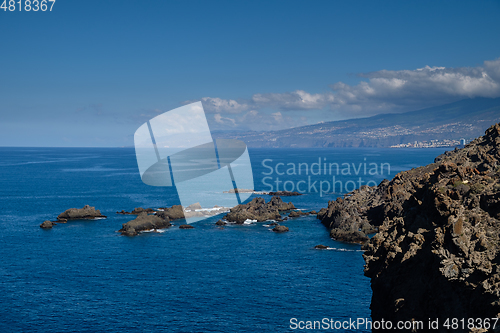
(89, 73)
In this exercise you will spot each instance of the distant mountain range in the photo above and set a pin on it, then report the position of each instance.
(466, 119)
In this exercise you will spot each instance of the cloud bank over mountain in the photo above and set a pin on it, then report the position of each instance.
(381, 91)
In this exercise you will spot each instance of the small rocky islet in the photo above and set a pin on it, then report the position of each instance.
(149, 219)
(85, 213)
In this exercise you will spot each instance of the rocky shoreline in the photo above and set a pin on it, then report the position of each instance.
(436, 252)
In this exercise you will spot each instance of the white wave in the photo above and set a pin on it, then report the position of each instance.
(221, 209)
(343, 250)
(98, 218)
(157, 230)
(248, 221)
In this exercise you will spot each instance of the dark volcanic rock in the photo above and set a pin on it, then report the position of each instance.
(285, 193)
(297, 213)
(86, 212)
(437, 252)
(321, 247)
(313, 212)
(173, 213)
(144, 222)
(220, 222)
(137, 211)
(349, 219)
(280, 228)
(47, 225)
(259, 210)
(186, 226)
(279, 204)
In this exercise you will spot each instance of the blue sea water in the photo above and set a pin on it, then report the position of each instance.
(83, 276)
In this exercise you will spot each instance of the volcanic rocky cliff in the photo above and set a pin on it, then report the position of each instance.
(259, 210)
(436, 253)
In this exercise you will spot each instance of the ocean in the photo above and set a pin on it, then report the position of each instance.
(83, 276)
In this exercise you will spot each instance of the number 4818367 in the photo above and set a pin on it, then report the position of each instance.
(27, 5)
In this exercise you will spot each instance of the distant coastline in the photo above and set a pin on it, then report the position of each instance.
(442, 126)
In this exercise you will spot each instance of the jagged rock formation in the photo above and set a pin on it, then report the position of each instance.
(47, 224)
(86, 212)
(349, 219)
(436, 254)
(259, 210)
(280, 228)
(173, 213)
(297, 213)
(144, 222)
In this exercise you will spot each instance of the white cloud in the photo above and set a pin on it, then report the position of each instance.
(218, 105)
(383, 91)
(224, 120)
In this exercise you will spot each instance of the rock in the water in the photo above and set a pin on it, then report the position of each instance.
(194, 206)
(137, 211)
(297, 213)
(280, 228)
(220, 222)
(280, 204)
(186, 226)
(47, 224)
(144, 222)
(86, 212)
(259, 210)
(173, 213)
(321, 247)
(313, 212)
